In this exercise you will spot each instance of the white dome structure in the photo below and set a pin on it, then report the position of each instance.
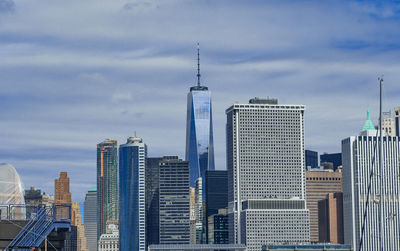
(11, 190)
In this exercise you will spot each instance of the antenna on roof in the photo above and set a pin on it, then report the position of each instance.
(198, 64)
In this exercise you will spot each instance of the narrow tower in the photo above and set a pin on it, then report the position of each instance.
(199, 140)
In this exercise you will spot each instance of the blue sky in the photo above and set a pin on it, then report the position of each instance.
(76, 72)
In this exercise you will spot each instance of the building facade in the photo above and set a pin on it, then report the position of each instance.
(76, 220)
(397, 121)
(174, 201)
(388, 126)
(330, 219)
(90, 216)
(152, 200)
(216, 195)
(132, 214)
(199, 131)
(318, 185)
(199, 142)
(218, 230)
(107, 184)
(361, 190)
(110, 240)
(311, 159)
(61, 189)
(334, 158)
(265, 159)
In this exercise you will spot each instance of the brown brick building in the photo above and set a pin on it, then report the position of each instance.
(318, 185)
(61, 189)
(330, 214)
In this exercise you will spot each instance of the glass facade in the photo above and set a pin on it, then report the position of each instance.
(132, 218)
(199, 133)
(311, 159)
(174, 201)
(107, 184)
(334, 158)
(216, 195)
(90, 215)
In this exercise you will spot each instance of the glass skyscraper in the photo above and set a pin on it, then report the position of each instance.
(199, 131)
(199, 143)
(107, 184)
(90, 214)
(132, 215)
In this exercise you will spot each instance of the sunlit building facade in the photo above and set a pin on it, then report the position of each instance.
(266, 174)
(361, 190)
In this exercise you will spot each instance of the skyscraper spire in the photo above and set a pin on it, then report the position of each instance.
(198, 64)
(368, 123)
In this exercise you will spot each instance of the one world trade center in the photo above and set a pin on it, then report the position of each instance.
(199, 130)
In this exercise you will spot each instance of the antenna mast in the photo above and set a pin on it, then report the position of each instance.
(381, 199)
(198, 64)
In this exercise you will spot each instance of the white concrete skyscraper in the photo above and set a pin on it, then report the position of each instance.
(266, 176)
(361, 190)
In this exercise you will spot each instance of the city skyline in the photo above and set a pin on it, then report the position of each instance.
(54, 98)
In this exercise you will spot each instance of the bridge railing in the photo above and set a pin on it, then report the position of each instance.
(59, 211)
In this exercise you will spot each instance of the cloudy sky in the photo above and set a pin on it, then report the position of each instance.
(73, 73)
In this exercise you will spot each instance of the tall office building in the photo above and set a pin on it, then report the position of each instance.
(311, 159)
(107, 184)
(199, 130)
(397, 121)
(361, 190)
(266, 174)
(61, 189)
(334, 158)
(216, 195)
(132, 190)
(388, 126)
(90, 215)
(199, 138)
(318, 185)
(330, 219)
(174, 201)
(76, 220)
(218, 230)
(152, 196)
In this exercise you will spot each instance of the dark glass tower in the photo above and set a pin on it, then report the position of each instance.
(132, 215)
(216, 197)
(311, 159)
(199, 130)
(174, 201)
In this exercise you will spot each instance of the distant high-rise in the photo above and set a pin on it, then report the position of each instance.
(199, 131)
(61, 189)
(330, 219)
(397, 121)
(311, 159)
(334, 158)
(90, 214)
(361, 190)
(199, 138)
(266, 174)
(218, 230)
(132, 190)
(388, 126)
(216, 196)
(76, 220)
(152, 197)
(174, 201)
(107, 184)
(318, 185)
